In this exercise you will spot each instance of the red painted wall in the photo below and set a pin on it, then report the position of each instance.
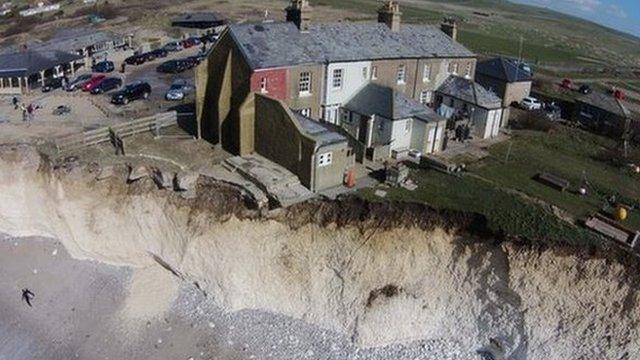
(276, 82)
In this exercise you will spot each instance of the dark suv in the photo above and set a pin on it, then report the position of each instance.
(107, 84)
(137, 59)
(104, 67)
(133, 91)
(172, 67)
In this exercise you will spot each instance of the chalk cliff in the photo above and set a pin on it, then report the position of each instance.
(376, 273)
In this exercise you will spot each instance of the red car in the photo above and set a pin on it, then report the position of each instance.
(187, 43)
(94, 82)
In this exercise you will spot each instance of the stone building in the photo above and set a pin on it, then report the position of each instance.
(316, 68)
(465, 99)
(506, 78)
(604, 114)
(319, 156)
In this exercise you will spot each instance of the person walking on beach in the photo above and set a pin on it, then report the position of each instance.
(27, 296)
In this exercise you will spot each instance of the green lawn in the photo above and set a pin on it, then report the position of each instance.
(504, 190)
(492, 44)
(506, 213)
(569, 153)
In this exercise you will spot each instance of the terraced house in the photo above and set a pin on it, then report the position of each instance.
(316, 69)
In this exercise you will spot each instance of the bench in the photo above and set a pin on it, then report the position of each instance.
(553, 181)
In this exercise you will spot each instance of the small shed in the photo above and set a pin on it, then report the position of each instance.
(603, 113)
(201, 22)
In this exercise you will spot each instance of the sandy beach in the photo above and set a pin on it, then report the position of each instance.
(87, 310)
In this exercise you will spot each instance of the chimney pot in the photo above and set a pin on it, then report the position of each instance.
(390, 15)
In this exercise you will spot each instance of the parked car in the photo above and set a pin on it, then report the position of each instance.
(52, 84)
(78, 82)
(173, 46)
(137, 59)
(585, 89)
(95, 81)
(158, 53)
(131, 92)
(191, 61)
(61, 110)
(106, 85)
(187, 43)
(553, 111)
(209, 38)
(530, 103)
(195, 40)
(178, 90)
(104, 67)
(172, 67)
(415, 155)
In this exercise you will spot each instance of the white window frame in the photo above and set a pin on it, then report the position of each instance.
(374, 73)
(325, 159)
(264, 82)
(306, 112)
(426, 73)
(337, 79)
(401, 75)
(365, 73)
(453, 68)
(467, 70)
(304, 84)
(426, 97)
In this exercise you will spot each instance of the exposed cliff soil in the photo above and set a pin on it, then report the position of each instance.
(381, 273)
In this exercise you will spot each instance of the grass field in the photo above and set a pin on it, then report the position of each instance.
(503, 188)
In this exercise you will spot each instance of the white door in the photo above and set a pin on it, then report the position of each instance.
(431, 137)
(438, 142)
(496, 122)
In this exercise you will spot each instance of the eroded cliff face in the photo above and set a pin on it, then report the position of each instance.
(380, 275)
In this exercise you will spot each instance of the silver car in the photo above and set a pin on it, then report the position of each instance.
(178, 90)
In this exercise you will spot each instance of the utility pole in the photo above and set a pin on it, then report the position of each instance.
(506, 158)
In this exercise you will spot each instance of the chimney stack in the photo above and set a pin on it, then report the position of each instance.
(299, 13)
(449, 26)
(390, 15)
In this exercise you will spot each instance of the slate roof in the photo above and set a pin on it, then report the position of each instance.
(278, 44)
(503, 69)
(470, 91)
(606, 102)
(323, 135)
(70, 40)
(199, 20)
(32, 62)
(384, 101)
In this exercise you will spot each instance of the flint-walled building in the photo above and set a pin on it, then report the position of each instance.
(317, 68)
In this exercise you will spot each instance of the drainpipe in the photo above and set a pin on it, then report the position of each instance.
(415, 80)
(313, 169)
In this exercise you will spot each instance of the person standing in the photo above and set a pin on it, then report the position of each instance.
(30, 112)
(24, 112)
(27, 296)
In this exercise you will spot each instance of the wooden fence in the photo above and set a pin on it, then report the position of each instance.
(102, 135)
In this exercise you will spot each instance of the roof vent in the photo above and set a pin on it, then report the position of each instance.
(258, 28)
